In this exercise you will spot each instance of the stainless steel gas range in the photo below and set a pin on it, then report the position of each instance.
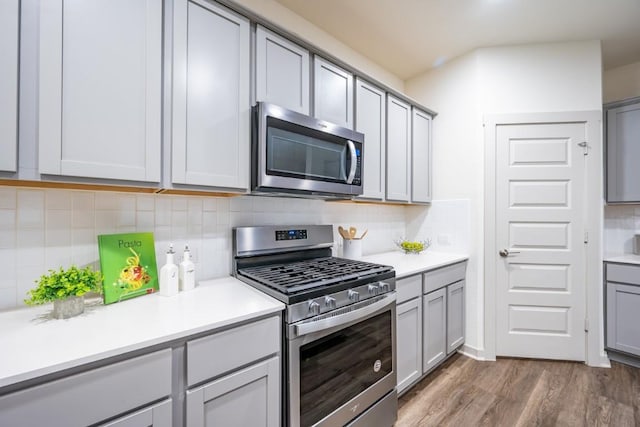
(339, 326)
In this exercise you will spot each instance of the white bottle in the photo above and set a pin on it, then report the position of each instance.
(169, 276)
(187, 271)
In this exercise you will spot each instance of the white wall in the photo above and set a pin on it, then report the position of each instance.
(621, 83)
(514, 79)
(47, 229)
(297, 25)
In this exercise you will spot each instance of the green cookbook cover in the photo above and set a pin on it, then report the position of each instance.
(128, 264)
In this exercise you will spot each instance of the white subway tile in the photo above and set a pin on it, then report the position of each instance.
(8, 298)
(209, 222)
(30, 199)
(179, 204)
(241, 204)
(209, 204)
(83, 218)
(162, 218)
(8, 198)
(126, 218)
(126, 203)
(106, 222)
(58, 256)
(83, 201)
(106, 201)
(29, 257)
(7, 219)
(145, 220)
(8, 238)
(145, 203)
(8, 264)
(58, 199)
(31, 237)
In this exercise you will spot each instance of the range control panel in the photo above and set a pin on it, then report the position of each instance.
(291, 234)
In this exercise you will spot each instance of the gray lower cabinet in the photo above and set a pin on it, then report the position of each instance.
(158, 415)
(409, 331)
(622, 310)
(234, 370)
(455, 316)
(623, 151)
(434, 328)
(98, 396)
(249, 397)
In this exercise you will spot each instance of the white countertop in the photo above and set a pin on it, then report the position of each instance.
(33, 344)
(409, 264)
(624, 258)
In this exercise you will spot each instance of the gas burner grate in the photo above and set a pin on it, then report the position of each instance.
(293, 277)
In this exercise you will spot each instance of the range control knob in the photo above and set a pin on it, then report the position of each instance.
(373, 289)
(384, 286)
(330, 302)
(314, 307)
(353, 295)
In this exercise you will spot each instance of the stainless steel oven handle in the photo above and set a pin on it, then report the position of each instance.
(342, 319)
(354, 161)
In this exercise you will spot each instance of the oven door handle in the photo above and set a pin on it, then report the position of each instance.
(342, 319)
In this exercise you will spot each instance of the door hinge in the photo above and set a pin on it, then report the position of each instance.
(586, 236)
(586, 324)
(585, 147)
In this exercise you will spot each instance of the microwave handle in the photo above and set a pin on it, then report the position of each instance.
(354, 161)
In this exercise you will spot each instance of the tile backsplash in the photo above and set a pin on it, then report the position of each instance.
(621, 223)
(43, 229)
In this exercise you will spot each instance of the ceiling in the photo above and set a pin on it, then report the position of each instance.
(408, 37)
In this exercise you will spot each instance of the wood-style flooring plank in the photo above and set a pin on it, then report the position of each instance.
(526, 392)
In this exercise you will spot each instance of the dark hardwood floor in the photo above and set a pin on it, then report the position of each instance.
(523, 392)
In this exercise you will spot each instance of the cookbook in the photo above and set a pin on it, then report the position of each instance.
(128, 265)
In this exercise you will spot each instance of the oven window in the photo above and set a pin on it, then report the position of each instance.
(309, 155)
(338, 367)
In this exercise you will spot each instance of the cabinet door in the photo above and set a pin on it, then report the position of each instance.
(371, 121)
(409, 342)
(250, 397)
(455, 316)
(421, 157)
(100, 88)
(9, 33)
(398, 150)
(155, 416)
(333, 93)
(282, 72)
(623, 317)
(434, 328)
(623, 152)
(211, 105)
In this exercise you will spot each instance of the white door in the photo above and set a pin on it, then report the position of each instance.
(540, 232)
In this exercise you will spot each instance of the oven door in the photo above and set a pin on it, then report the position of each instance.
(342, 363)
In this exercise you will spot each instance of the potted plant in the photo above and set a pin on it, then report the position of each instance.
(66, 289)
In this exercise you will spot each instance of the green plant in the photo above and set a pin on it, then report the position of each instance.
(63, 283)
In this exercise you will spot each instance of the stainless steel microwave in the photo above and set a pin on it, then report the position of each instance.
(296, 154)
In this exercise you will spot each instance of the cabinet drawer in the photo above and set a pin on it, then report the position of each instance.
(216, 354)
(623, 273)
(443, 276)
(90, 397)
(408, 288)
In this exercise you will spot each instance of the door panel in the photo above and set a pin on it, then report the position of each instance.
(540, 175)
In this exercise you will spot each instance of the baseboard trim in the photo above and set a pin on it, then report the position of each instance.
(474, 353)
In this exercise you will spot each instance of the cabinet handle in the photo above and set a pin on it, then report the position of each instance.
(506, 252)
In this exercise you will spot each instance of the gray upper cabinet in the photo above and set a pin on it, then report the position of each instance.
(9, 36)
(371, 121)
(421, 157)
(333, 93)
(100, 70)
(282, 71)
(623, 152)
(211, 100)
(398, 150)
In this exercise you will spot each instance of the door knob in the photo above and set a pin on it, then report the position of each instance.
(506, 252)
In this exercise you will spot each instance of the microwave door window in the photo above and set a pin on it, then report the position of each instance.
(295, 155)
